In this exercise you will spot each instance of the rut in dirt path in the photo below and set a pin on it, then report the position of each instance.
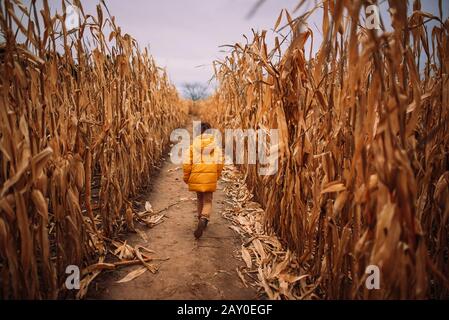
(196, 269)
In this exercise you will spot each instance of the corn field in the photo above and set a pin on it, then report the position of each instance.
(83, 123)
(363, 176)
(364, 139)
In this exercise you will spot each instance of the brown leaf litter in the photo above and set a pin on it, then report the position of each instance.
(269, 266)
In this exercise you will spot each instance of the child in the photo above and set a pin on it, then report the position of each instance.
(202, 167)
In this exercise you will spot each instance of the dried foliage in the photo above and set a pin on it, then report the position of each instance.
(81, 130)
(364, 141)
(270, 267)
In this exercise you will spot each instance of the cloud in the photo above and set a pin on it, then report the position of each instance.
(183, 35)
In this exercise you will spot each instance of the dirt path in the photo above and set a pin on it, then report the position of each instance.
(196, 269)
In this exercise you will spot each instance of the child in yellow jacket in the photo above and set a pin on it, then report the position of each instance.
(202, 168)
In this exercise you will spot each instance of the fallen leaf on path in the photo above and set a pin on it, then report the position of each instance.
(124, 251)
(148, 206)
(241, 277)
(272, 268)
(153, 220)
(144, 248)
(258, 245)
(98, 266)
(236, 229)
(265, 285)
(247, 257)
(85, 281)
(132, 275)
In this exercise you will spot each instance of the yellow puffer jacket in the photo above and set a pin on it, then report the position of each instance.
(201, 171)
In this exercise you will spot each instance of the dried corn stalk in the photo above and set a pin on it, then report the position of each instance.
(364, 141)
(80, 132)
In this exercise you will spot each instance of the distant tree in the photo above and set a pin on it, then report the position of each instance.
(195, 90)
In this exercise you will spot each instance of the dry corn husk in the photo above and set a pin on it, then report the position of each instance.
(363, 148)
(83, 124)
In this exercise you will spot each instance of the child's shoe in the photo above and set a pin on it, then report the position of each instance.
(202, 224)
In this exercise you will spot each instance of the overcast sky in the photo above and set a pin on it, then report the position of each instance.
(184, 35)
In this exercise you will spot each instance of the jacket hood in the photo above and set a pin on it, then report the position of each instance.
(203, 141)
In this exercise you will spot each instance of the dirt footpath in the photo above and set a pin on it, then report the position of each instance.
(196, 269)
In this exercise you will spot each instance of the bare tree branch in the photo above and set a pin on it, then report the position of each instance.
(195, 90)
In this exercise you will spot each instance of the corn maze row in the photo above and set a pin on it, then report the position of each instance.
(82, 126)
(364, 140)
(363, 174)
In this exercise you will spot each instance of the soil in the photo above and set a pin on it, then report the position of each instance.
(196, 269)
